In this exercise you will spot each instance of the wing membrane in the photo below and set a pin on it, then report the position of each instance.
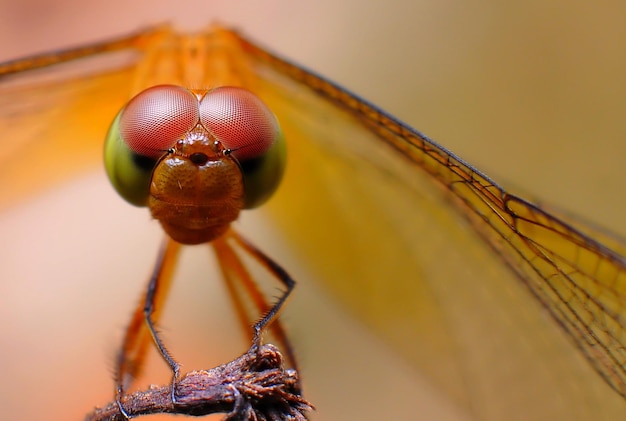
(54, 109)
(579, 281)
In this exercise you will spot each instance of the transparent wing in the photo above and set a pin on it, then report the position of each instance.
(397, 220)
(54, 109)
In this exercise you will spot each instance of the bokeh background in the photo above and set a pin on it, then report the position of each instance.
(531, 93)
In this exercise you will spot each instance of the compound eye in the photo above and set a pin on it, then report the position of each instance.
(240, 121)
(142, 132)
(246, 126)
(156, 118)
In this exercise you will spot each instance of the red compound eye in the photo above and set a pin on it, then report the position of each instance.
(156, 118)
(239, 120)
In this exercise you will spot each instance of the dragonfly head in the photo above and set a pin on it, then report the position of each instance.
(196, 158)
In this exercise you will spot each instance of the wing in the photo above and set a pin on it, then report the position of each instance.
(397, 245)
(54, 109)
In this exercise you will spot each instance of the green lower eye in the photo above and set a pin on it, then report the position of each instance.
(129, 173)
(262, 175)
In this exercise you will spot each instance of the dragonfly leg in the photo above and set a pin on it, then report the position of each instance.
(270, 315)
(235, 272)
(142, 326)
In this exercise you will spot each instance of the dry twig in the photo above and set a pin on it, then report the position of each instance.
(255, 386)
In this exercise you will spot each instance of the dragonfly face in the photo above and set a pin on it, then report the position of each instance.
(508, 168)
(196, 159)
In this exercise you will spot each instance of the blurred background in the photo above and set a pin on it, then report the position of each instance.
(531, 93)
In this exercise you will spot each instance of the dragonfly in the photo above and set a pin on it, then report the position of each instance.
(572, 271)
